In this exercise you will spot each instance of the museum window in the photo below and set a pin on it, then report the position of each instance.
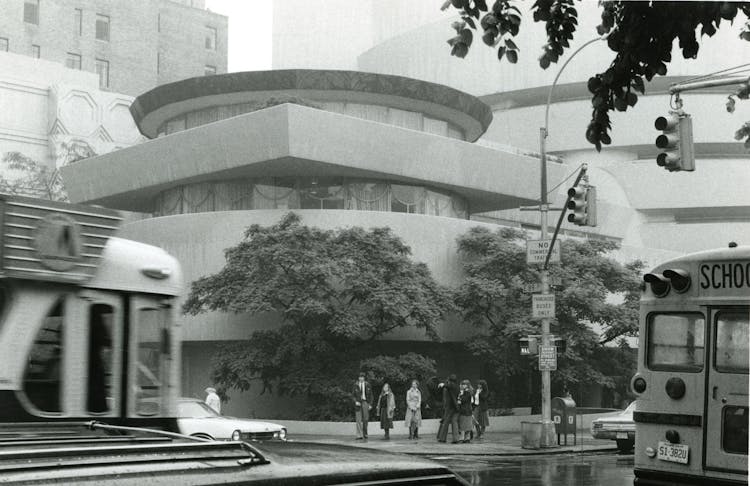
(73, 61)
(3, 44)
(210, 38)
(209, 70)
(31, 12)
(102, 70)
(36, 51)
(78, 21)
(102, 27)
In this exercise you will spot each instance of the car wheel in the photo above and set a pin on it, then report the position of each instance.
(202, 436)
(625, 445)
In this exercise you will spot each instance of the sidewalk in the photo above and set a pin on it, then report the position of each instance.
(493, 444)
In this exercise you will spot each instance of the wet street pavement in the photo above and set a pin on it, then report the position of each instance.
(543, 470)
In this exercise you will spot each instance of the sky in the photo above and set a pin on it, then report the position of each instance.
(249, 32)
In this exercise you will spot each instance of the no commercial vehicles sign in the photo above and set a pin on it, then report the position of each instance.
(543, 305)
(536, 251)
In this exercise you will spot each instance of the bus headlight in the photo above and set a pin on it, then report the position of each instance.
(659, 284)
(679, 279)
(236, 435)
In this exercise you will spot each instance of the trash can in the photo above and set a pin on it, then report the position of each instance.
(564, 417)
(531, 435)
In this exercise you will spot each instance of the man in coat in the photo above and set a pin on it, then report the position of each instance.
(362, 393)
(450, 410)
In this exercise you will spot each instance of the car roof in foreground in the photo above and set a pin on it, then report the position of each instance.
(183, 462)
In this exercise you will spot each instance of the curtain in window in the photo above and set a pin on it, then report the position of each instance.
(368, 196)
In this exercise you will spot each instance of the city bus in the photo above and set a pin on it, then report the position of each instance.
(691, 414)
(87, 320)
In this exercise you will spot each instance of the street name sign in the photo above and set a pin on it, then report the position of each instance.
(543, 305)
(536, 251)
(547, 358)
(534, 288)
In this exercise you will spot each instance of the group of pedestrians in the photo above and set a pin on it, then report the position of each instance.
(464, 410)
(385, 407)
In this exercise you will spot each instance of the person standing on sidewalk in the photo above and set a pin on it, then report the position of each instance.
(413, 418)
(465, 405)
(362, 393)
(385, 409)
(450, 410)
(481, 416)
(213, 400)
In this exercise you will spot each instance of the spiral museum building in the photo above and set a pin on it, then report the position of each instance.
(387, 134)
(371, 150)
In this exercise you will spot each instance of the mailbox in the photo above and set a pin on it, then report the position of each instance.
(564, 417)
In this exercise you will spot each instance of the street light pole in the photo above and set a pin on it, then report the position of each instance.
(548, 427)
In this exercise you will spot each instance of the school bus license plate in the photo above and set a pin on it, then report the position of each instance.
(673, 452)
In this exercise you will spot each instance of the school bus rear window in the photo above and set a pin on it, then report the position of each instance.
(676, 342)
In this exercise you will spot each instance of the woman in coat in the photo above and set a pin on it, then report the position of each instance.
(481, 417)
(465, 404)
(413, 419)
(386, 407)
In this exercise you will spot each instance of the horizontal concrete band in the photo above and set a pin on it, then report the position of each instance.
(510, 423)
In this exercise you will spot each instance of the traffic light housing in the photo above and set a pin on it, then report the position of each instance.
(582, 203)
(676, 141)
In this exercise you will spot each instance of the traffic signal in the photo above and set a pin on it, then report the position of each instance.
(676, 141)
(583, 204)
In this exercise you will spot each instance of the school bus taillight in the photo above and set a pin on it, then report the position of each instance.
(679, 279)
(659, 284)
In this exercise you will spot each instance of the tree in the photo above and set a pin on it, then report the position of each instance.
(640, 33)
(491, 298)
(24, 176)
(336, 293)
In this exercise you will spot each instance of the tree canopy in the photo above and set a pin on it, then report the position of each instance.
(491, 298)
(336, 292)
(640, 33)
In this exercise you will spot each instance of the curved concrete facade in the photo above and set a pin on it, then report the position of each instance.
(199, 240)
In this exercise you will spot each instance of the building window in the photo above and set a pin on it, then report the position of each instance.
(31, 12)
(210, 38)
(36, 51)
(102, 27)
(73, 61)
(3, 44)
(78, 21)
(209, 70)
(102, 69)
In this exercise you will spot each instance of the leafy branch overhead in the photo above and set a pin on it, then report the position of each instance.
(640, 33)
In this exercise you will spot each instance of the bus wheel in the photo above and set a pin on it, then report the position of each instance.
(625, 445)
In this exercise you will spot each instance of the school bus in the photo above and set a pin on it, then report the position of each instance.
(691, 414)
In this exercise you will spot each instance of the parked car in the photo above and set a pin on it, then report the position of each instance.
(89, 455)
(199, 420)
(620, 428)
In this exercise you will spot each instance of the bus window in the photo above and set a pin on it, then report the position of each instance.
(42, 381)
(100, 358)
(731, 354)
(675, 342)
(734, 430)
(150, 360)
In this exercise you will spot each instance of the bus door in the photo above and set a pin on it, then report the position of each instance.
(101, 351)
(151, 355)
(726, 427)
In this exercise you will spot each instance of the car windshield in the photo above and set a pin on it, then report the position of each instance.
(630, 409)
(195, 410)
